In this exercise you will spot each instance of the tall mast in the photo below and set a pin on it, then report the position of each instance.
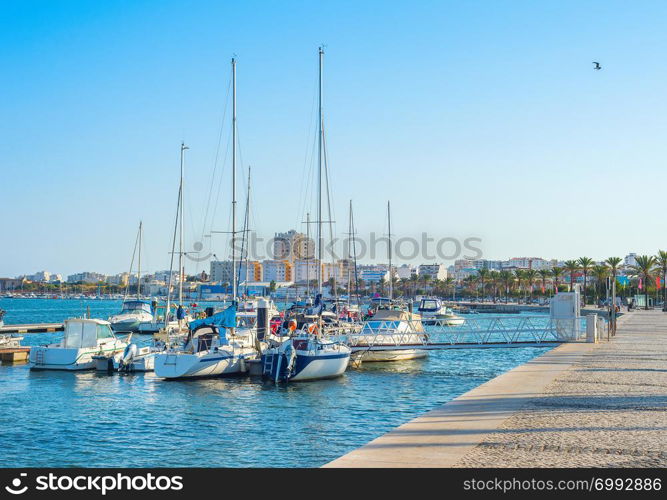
(349, 256)
(319, 179)
(234, 291)
(180, 225)
(391, 274)
(308, 254)
(139, 267)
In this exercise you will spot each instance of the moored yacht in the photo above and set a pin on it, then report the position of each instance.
(434, 312)
(82, 339)
(131, 316)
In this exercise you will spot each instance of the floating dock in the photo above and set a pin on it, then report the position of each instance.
(33, 328)
(14, 354)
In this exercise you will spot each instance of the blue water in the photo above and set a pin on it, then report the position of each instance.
(58, 419)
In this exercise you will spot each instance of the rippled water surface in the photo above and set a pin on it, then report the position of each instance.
(62, 419)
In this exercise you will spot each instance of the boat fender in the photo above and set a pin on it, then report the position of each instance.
(129, 354)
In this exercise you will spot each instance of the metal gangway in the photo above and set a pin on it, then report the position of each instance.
(520, 330)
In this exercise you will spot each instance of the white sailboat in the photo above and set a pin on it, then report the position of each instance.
(309, 354)
(134, 312)
(213, 347)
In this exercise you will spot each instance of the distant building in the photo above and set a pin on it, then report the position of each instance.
(41, 277)
(292, 246)
(434, 271)
(305, 270)
(536, 263)
(630, 260)
(223, 272)
(277, 270)
(8, 284)
(86, 277)
(491, 265)
(374, 275)
(405, 271)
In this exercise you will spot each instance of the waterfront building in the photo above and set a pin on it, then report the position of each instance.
(434, 271)
(630, 260)
(86, 277)
(495, 265)
(405, 271)
(40, 277)
(292, 246)
(223, 272)
(277, 270)
(305, 270)
(374, 275)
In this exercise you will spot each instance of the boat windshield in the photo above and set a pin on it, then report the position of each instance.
(136, 306)
(428, 305)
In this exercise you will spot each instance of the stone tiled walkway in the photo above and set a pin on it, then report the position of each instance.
(608, 410)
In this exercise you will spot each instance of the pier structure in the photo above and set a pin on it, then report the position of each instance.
(578, 405)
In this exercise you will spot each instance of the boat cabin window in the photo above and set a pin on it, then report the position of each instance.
(80, 334)
(136, 307)
(428, 305)
(104, 332)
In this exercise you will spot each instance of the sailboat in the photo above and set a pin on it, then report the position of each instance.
(213, 346)
(133, 312)
(392, 329)
(309, 354)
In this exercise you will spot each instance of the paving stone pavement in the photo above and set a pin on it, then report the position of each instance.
(608, 410)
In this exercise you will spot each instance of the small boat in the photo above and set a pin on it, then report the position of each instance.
(208, 350)
(434, 312)
(82, 339)
(389, 328)
(131, 316)
(306, 356)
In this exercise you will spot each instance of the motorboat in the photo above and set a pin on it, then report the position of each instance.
(132, 314)
(434, 312)
(82, 339)
(390, 335)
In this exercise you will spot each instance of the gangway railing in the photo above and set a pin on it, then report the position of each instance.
(485, 331)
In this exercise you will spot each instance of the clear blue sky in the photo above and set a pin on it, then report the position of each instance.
(476, 118)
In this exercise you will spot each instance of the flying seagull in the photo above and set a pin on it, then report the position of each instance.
(597, 65)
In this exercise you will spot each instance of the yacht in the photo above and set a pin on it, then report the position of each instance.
(209, 350)
(131, 316)
(82, 339)
(386, 329)
(305, 356)
(434, 312)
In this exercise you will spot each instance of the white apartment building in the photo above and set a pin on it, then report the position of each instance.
(434, 271)
(292, 246)
(276, 270)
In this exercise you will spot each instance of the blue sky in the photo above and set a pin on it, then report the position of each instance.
(481, 119)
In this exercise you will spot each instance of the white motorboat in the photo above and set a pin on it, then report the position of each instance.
(434, 312)
(306, 356)
(10, 341)
(389, 336)
(131, 316)
(82, 339)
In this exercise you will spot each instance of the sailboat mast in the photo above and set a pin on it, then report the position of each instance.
(180, 225)
(349, 256)
(307, 254)
(391, 274)
(139, 266)
(319, 178)
(234, 290)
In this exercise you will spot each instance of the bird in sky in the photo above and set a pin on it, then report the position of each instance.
(597, 65)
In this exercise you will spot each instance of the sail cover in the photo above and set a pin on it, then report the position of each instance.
(224, 319)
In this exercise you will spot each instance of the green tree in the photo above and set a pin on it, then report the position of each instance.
(600, 273)
(556, 273)
(530, 276)
(571, 267)
(585, 264)
(645, 270)
(661, 261)
(544, 274)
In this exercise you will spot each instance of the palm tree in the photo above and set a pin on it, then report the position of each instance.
(571, 266)
(556, 272)
(661, 260)
(600, 273)
(483, 275)
(544, 274)
(506, 278)
(530, 276)
(585, 264)
(644, 269)
(519, 275)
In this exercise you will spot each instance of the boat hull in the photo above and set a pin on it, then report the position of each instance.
(50, 358)
(320, 367)
(388, 356)
(180, 365)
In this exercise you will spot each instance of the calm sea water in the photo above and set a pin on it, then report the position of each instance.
(58, 419)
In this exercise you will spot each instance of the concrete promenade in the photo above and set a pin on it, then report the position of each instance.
(578, 405)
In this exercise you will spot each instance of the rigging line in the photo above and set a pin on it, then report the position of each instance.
(308, 152)
(171, 261)
(134, 252)
(217, 155)
(330, 215)
(217, 197)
